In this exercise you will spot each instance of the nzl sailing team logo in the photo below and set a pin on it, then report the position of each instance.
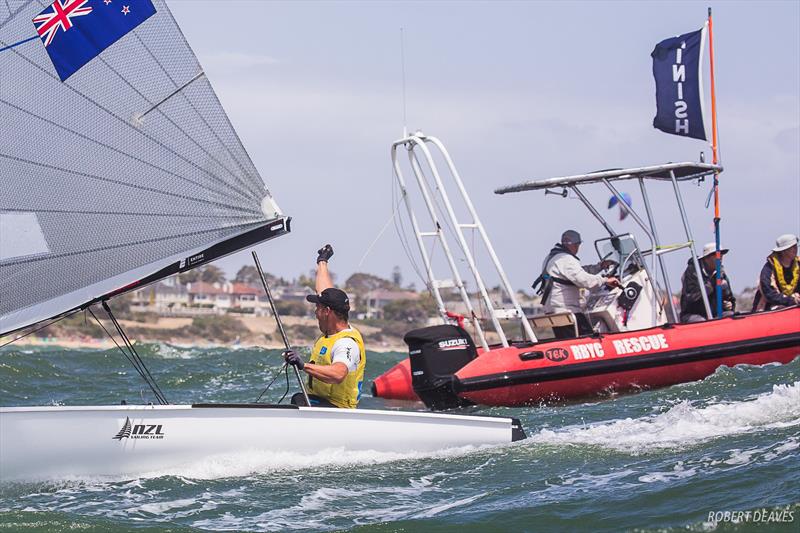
(139, 431)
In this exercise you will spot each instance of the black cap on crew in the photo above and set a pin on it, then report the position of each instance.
(334, 298)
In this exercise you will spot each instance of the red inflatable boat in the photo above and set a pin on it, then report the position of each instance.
(637, 341)
(526, 374)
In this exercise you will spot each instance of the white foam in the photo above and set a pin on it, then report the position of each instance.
(162, 507)
(677, 472)
(168, 351)
(249, 463)
(684, 424)
(437, 509)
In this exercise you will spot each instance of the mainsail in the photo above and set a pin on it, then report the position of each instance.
(125, 173)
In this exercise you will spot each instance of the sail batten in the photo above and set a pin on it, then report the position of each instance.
(126, 172)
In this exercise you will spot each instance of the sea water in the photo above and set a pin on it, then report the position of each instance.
(721, 454)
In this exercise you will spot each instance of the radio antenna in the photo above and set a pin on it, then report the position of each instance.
(403, 70)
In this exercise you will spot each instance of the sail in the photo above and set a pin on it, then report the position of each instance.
(128, 171)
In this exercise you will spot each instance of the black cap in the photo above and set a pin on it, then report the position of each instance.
(334, 298)
(571, 237)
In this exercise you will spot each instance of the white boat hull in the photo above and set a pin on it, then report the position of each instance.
(58, 442)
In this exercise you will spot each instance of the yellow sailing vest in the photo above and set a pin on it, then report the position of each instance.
(347, 393)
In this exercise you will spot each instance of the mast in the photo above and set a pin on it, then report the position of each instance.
(715, 153)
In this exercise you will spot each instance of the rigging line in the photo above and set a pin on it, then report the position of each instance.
(401, 234)
(287, 386)
(119, 119)
(380, 234)
(53, 321)
(124, 335)
(117, 246)
(133, 350)
(170, 95)
(132, 357)
(281, 371)
(245, 193)
(125, 184)
(234, 158)
(123, 213)
(213, 93)
(118, 151)
(23, 41)
(127, 356)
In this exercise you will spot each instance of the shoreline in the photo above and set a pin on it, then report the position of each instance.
(105, 344)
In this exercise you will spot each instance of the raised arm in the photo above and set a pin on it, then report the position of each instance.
(323, 280)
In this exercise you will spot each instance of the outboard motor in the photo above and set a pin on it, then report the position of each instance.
(436, 353)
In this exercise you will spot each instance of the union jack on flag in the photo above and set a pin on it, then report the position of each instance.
(48, 23)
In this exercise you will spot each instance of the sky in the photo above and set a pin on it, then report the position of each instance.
(516, 91)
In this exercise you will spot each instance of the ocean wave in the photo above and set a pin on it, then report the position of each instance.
(684, 423)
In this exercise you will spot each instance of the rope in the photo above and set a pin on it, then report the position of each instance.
(402, 236)
(23, 41)
(39, 328)
(131, 355)
(284, 369)
(380, 234)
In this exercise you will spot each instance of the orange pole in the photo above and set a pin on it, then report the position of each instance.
(714, 151)
(713, 95)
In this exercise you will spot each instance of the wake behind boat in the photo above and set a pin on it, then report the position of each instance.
(121, 168)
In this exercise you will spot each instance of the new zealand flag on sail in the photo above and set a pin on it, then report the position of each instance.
(676, 68)
(75, 31)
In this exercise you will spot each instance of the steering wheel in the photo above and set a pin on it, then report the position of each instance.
(612, 269)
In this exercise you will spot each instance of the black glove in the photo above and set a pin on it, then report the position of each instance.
(325, 253)
(291, 357)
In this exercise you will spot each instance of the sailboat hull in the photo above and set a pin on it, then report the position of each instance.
(59, 442)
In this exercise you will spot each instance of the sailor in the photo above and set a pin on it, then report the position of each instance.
(692, 308)
(779, 282)
(336, 367)
(562, 278)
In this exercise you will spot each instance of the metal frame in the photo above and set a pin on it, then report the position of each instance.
(672, 172)
(419, 143)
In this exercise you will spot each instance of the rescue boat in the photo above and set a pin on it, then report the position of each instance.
(636, 341)
(600, 364)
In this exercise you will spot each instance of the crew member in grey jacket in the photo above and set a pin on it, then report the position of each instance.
(563, 276)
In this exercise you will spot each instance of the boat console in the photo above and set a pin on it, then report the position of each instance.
(636, 305)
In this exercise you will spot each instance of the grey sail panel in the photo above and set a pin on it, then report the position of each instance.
(127, 167)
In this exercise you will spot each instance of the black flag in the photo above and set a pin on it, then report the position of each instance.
(676, 69)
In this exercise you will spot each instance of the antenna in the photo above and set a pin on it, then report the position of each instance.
(403, 70)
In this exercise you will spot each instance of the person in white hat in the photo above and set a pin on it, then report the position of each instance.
(779, 282)
(692, 308)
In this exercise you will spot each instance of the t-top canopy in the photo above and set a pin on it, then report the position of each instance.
(682, 172)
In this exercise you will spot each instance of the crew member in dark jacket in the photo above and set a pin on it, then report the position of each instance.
(779, 282)
(692, 308)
